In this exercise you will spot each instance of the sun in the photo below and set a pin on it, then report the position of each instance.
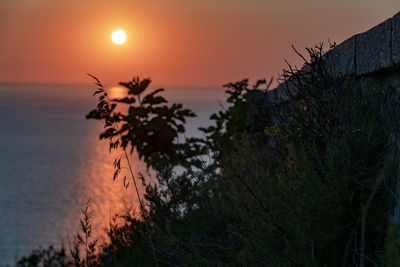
(118, 37)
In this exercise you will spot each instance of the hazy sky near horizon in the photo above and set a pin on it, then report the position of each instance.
(175, 42)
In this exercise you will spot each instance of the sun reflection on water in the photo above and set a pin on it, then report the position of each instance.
(117, 92)
(107, 197)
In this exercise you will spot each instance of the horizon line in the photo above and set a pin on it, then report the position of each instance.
(105, 84)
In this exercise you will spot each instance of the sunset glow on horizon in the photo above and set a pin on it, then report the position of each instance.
(191, 133)
(175, 42)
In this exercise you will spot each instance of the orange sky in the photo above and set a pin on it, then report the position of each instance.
(175, 42)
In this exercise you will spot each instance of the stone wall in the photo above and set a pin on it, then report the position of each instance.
(377, 49)
(366, 54)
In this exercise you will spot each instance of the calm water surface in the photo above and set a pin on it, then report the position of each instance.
(52, 162)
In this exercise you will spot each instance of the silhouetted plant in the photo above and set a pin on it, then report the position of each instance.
(331, 145)
(84, 249)
(305, 180)
(50, 257)
(247, 113)
(150, 126)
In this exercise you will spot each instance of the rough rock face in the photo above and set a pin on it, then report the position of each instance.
(396, 39)
(373, 48)
(341, 59)
(361, 54)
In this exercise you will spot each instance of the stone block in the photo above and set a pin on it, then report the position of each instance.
(280, 92)
(373, 48)
(272, 96)
(285, 90)
(340, 59)
(396, 39)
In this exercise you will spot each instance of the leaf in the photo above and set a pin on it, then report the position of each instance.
(136, 87)
(94, 114)
(126, 100)
(95, 78)
(150, 99)
(116, 172)
(97, 92)
(259, 82)
(117, 163)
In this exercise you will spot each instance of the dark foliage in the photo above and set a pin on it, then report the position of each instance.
(306, 180)
(247, 113)
(84, 249)
(49, 257)
(149, 126)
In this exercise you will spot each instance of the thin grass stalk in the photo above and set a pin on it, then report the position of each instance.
(98, 83)
(137, 191)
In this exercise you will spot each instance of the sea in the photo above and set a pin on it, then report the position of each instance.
(52, 162)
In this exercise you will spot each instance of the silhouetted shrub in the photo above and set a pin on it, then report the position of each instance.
(305, 180)
(49, 257)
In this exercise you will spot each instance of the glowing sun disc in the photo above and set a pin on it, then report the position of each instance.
(118, 37)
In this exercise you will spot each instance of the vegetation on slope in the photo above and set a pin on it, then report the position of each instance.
(308, 181)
